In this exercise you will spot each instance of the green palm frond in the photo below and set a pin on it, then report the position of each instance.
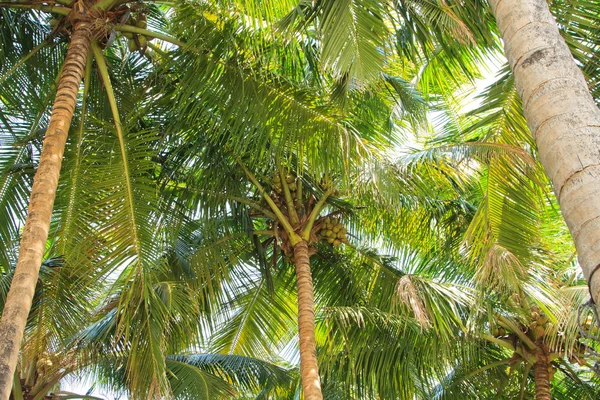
(244, 373)
(190, 382)
(258, 322)
(353, 35)
(370, 352)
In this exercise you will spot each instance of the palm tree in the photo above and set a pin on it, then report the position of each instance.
(86, 25)
(561, 113)
(293, 224)
(521, 344)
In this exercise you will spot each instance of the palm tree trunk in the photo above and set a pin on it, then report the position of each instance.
(309, 367)
(562, 116)
(43, 193)
(541, 374)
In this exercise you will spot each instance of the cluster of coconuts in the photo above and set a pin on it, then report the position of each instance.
(43, 362)
(137, 42)
(539, 323)
(538, 326)
(332, 231)
(293, 183)
(588, 326)
(328, 229)
(290, 180)
(499, 332)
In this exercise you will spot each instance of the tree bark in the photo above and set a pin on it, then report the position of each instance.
(309, 367)
(562, 116)
(541, 374)
(43, 193)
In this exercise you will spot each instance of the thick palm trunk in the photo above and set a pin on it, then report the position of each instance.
(541, 375)
(562, 116)
(35, 231)
(309, 368)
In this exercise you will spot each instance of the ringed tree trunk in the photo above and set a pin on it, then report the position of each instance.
(298, 238)
(309, 367)
(563, 118)
(43, 193)
(541, 374)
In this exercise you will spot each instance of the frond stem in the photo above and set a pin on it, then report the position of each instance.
(524, 381)
(299, 191)
(264, 233)
(254, 205)
(513, 327)
(489, 366)
(17, 391)
(151, 34)
(288, 196)
(240, 328)
(157, 49)
(499, 342)
(40, 393)
(315, 213)
(102, 67)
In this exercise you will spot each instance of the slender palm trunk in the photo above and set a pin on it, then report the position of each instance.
(541, 375)
(35, 231)
(309, 367)
(562, 116)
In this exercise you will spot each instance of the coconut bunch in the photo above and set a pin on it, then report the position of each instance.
(498, 332)
(293, 183)
(290, 180)
(332, 231)
(328, 229)
(137, 42)
(539, 324)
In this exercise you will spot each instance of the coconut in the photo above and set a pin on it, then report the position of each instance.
(539, 331)
(132, 45)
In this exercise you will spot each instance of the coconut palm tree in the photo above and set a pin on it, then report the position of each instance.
(514, 236)
(87, 27)
(522, 344)
(281, 211)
